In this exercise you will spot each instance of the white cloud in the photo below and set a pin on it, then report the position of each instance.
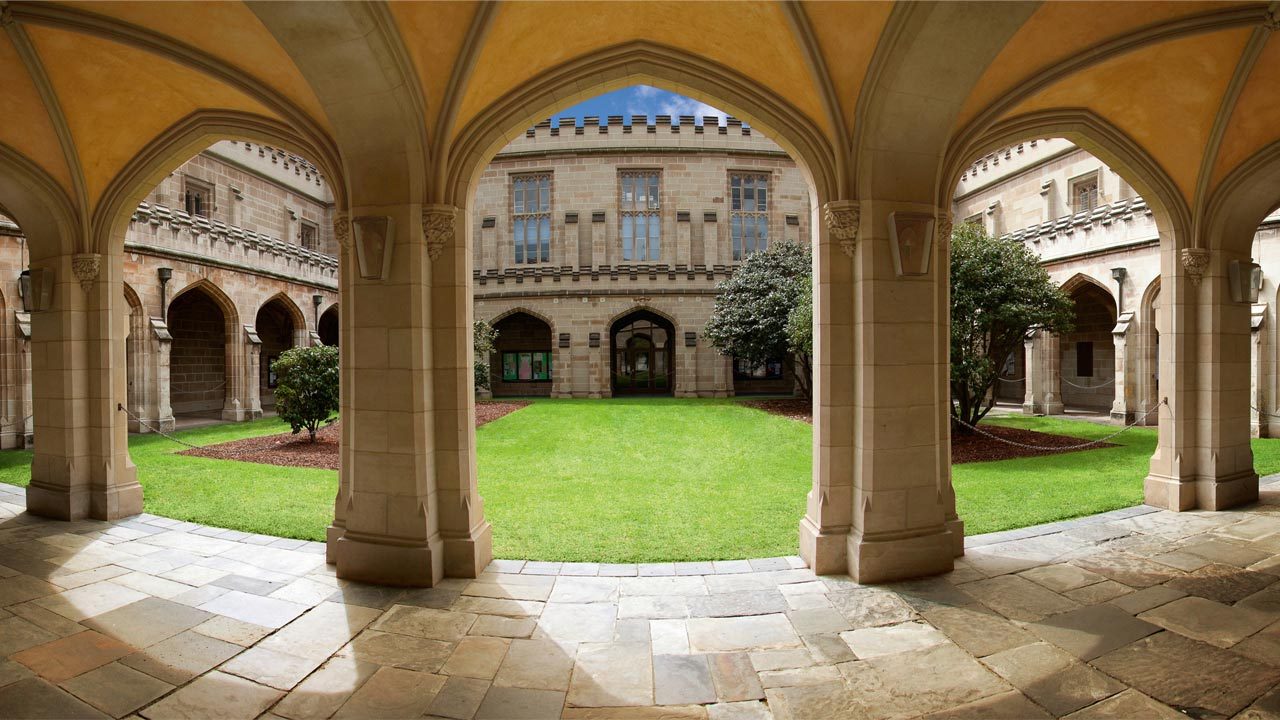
(648, 100)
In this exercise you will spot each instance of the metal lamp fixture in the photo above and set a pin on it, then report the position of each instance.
(316, 300)
(24, 289)
(165, 274)
(1118, 274)
(1246, 280)
(35, 286)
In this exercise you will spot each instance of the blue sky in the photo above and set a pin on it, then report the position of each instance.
(639, 100)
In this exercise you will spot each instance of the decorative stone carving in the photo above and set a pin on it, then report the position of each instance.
(1195, 261)
(86, 267)
(1272, 20)
(910, 242)
(842, 218)
(945, 226)
(438, 223)
(342, 229)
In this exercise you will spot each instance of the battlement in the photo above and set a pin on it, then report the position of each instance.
(1009, 161)
(280, 166)
(662, 133)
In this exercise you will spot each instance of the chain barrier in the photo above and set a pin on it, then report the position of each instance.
(1081, 446)
(155, 429)
(1012, 380)
(1263, 412)
(1087, 387)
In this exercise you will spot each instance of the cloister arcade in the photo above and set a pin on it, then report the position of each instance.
(401, 105)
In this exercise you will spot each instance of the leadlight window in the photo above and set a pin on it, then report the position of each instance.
(308, 235)
(748, 213)
(744, 369)
(197, 197)
(531, 217)
(639, 207)
(1084, 193)
(526, 366)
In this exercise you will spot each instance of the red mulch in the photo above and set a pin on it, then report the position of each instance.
(964, 448)
(298, 451)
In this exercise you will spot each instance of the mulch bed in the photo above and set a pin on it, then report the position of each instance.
(292, 450)
(964, 448)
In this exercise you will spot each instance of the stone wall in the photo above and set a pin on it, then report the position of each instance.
(197, 361)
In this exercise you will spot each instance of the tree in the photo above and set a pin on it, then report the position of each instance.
(999, 292)
(307, 387)
(483, 336)
(753, 309)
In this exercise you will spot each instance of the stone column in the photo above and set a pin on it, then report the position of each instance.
(252, 373)
(887, 407)
(407, 510)
(81, 468)
(1052, 373)
(824, 530)
(1259, 418)
(19, 431)
(1203, 458)
(1122, 407)
(1033, 366)
(150, 342)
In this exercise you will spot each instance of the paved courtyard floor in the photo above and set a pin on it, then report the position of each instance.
(1130, 614)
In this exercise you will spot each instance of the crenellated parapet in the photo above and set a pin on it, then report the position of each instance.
(1099, 218)
(641, 134)
(160, 230)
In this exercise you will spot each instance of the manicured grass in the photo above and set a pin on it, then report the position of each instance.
(1008, 494)
(632, 480)
(284, 501)
(636, 480)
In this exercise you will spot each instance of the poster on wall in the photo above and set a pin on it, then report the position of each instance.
(526, 366)
(540, 371)
(509, 367)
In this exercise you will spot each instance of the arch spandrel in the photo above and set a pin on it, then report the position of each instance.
(281, 299)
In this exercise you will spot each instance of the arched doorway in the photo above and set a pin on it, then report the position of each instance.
(521, 364)
(327, 327)
(276, 330)
(1088, 358)
(198, 356)
(642, 345)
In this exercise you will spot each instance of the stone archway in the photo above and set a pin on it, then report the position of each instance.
(328, 327)
(277, 329)
(523, 358)
(642, 354)
(202, 361)
(1087, 353)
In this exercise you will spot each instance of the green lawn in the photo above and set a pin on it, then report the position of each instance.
(630, 480)
(1010, 494)
(290, 502)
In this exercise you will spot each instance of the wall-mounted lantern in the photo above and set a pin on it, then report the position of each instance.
(165, 274)
(1246, 280)
(1119, 274)
(910, 240)
(316, 300)
(35, 286)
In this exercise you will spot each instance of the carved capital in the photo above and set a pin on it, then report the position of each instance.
(342, 229)
(6, 15)
(1271, 20)
(945, 226)
(86, 267)
(438, 223)
(1195, 261)
(841, 217)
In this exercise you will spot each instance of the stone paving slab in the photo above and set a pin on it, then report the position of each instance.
(1127, 614)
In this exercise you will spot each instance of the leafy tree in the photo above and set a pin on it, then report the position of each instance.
(483, 336)
(999, 292)
(307, 387)
(753, 309)
(800, 333)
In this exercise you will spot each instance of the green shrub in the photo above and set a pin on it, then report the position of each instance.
(482, 336)
(307, 387)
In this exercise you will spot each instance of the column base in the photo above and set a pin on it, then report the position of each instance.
(1178, 495)
(332, 535)
(383, 561)
(1123, 416)
(824, 553)
(467, 557)
(58, 503)
(1032, 409)
(956, 528)
(890, 559)
(117, 502)
(1054, 408)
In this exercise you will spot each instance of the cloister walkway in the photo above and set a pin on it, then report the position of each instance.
(1132, 613)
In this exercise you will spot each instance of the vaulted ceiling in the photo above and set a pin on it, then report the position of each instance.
(89, 86)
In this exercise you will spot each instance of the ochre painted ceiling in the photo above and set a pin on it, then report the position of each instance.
(116, 96)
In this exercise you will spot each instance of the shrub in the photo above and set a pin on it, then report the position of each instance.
(307, 387)
(482, 337)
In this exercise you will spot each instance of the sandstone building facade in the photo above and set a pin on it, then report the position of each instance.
(599, 246)
(1098, 240)
(229, 261)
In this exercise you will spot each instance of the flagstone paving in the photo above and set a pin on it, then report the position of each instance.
(1131, 614)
